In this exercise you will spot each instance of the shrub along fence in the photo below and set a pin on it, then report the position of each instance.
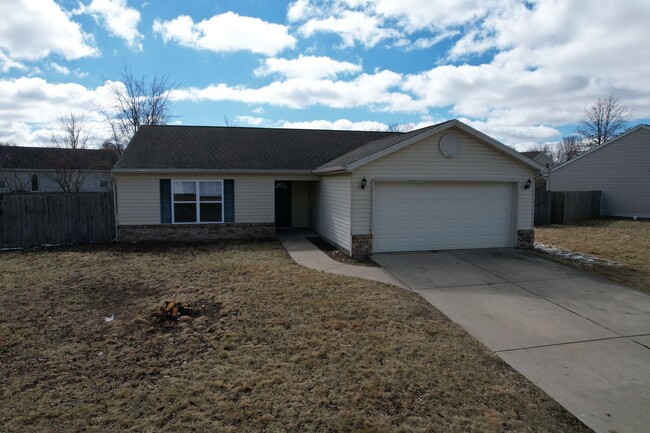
(33, 219)
(565, 207)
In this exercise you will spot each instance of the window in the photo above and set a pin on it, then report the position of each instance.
(195, 201)
(104, 181)
(3, 184)
(34, 182)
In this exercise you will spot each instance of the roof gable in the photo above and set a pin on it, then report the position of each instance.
(595, 149)
(195, 148)
(48, 158)
(375, 150)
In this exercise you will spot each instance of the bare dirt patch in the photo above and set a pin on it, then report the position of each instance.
(624, 242)
(278, 348)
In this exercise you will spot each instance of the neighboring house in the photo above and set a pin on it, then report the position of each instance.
(544, 159)
(620, 169)
(541, 157)
(446, 186)
(48, 169)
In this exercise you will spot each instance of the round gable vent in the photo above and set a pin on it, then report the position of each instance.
(449, 145)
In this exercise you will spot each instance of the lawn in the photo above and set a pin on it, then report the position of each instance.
(276, 347)
(625, 242)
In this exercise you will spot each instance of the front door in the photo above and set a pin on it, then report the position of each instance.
(283, 204)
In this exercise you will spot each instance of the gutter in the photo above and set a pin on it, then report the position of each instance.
(207, 170)
(330, 170)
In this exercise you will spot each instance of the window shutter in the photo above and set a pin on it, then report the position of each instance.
(229, 200)
(165, 201)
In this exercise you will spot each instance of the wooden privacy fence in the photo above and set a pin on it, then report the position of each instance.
(565, 207)
(33, 219)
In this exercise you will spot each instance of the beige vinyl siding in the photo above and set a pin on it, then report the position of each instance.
(138, 199)
(254, 199)
(422, 161)
(621, 170)
(300, 204)
(330, 210)
(138, 196)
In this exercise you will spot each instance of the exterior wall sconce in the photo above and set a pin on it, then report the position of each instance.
(364, 182)
(528, 184)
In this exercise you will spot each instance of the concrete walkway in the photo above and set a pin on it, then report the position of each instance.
(305, 253)
(582, 339)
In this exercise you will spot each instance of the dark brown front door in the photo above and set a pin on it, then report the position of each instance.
(283, 203)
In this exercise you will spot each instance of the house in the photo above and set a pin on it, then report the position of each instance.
(538, 156)
(620, 169)
(544, 159)
(446, 186)
(48, 169)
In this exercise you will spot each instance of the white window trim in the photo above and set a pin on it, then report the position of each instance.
(197, 201)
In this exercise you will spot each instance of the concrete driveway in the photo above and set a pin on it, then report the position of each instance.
(582, 339)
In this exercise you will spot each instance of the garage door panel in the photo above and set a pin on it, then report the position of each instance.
(434, 216)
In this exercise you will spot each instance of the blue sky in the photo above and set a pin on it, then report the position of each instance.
(522, 72)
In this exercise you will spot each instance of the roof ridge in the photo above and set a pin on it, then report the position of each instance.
(274, 128)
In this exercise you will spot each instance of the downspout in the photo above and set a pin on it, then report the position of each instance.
(115, 204)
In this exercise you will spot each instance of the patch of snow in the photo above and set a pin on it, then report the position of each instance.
(109, 319)
(571, 255)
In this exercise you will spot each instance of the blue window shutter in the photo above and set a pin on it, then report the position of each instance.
(165, 201)
(229, 200)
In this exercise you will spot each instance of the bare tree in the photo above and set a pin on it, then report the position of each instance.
(136, 101)
(540, 147)
(74, 135)
(568, 148)
(604, 120)
(68, 170)
(230, 122)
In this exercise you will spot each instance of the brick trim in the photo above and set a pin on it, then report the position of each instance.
(194, 232)
(525, 239)
(361, 246)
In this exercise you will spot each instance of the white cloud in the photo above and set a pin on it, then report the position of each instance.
(340, 124)
(301, 10)
(58, 68)
(369, 22)
(226, 33)
(376, 91)
(517, 135)
(353, 27)
(7, 63)
(119, 19)
(424, 43)
(32, 30)
(541, 79)
(414, 15)
(307, 67)
(21, 98)
(250, 120)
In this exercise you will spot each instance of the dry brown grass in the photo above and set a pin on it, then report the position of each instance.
(623, 241)
(278, 348)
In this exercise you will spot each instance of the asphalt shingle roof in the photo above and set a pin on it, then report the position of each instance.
(235, 148)
(531, 154)
(46, 158)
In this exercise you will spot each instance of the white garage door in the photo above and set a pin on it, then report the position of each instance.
(441, 216)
